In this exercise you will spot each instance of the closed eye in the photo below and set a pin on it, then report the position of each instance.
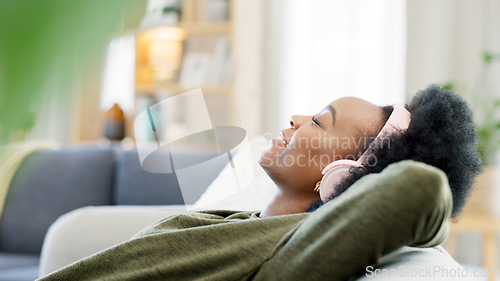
(316, 122)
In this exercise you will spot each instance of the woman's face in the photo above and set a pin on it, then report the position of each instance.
(341, 130)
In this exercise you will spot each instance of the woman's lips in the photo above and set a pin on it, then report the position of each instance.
(283, 139)
(280, 141)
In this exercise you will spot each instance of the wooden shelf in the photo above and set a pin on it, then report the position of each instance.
(151, 89)
(207, 28)
(200, 35)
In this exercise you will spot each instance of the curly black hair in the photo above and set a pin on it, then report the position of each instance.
(441, 133)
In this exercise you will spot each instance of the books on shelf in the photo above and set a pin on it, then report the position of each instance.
(206, 61)
(212, 10)
(195, 68)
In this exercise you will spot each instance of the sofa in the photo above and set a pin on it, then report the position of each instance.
(51, 183)
(69, 203)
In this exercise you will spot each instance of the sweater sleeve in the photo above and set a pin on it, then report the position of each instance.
(409, 203)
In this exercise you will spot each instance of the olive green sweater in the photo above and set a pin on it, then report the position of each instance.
(409, 203)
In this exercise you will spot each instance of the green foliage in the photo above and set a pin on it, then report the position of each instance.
(43, 39)
(487, 57)
(449, 86)
(488, 127)
(489, 132)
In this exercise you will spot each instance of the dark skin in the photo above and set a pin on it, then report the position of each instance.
(295, 160)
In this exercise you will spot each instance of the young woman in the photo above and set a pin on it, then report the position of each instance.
(410, 170)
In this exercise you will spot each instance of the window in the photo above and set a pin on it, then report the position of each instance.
(333, 48)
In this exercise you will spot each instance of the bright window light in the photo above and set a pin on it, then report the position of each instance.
(336, 48)
(118, 79)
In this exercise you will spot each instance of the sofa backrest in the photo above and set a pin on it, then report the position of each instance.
(134, 186)
(53, 182)
(49, 184)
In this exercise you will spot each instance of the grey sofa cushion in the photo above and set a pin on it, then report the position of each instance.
(18, 267)
(49, 184)
(27, 273)
(11, 260)
(409, 263)
(134, 186)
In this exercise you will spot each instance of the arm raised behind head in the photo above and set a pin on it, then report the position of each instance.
(408, 203)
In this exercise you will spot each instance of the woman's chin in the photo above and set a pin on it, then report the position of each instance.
(266, 159)
(269, 160)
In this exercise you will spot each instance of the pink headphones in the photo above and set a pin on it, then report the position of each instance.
(337, 171)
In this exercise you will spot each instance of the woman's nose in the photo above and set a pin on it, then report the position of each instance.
(296, 121)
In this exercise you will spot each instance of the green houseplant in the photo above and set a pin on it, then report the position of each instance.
(485, 196)
(487, 111)
(489, 133)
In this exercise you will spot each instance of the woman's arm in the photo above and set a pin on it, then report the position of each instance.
(409, 203)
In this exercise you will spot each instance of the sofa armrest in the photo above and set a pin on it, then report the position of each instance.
(422, 264)
(88, 230)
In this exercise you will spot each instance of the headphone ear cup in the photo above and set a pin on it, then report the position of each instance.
(334, 174)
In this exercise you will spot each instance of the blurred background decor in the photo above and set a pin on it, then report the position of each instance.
(489, 128)
(486, 107)
(474, 236)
